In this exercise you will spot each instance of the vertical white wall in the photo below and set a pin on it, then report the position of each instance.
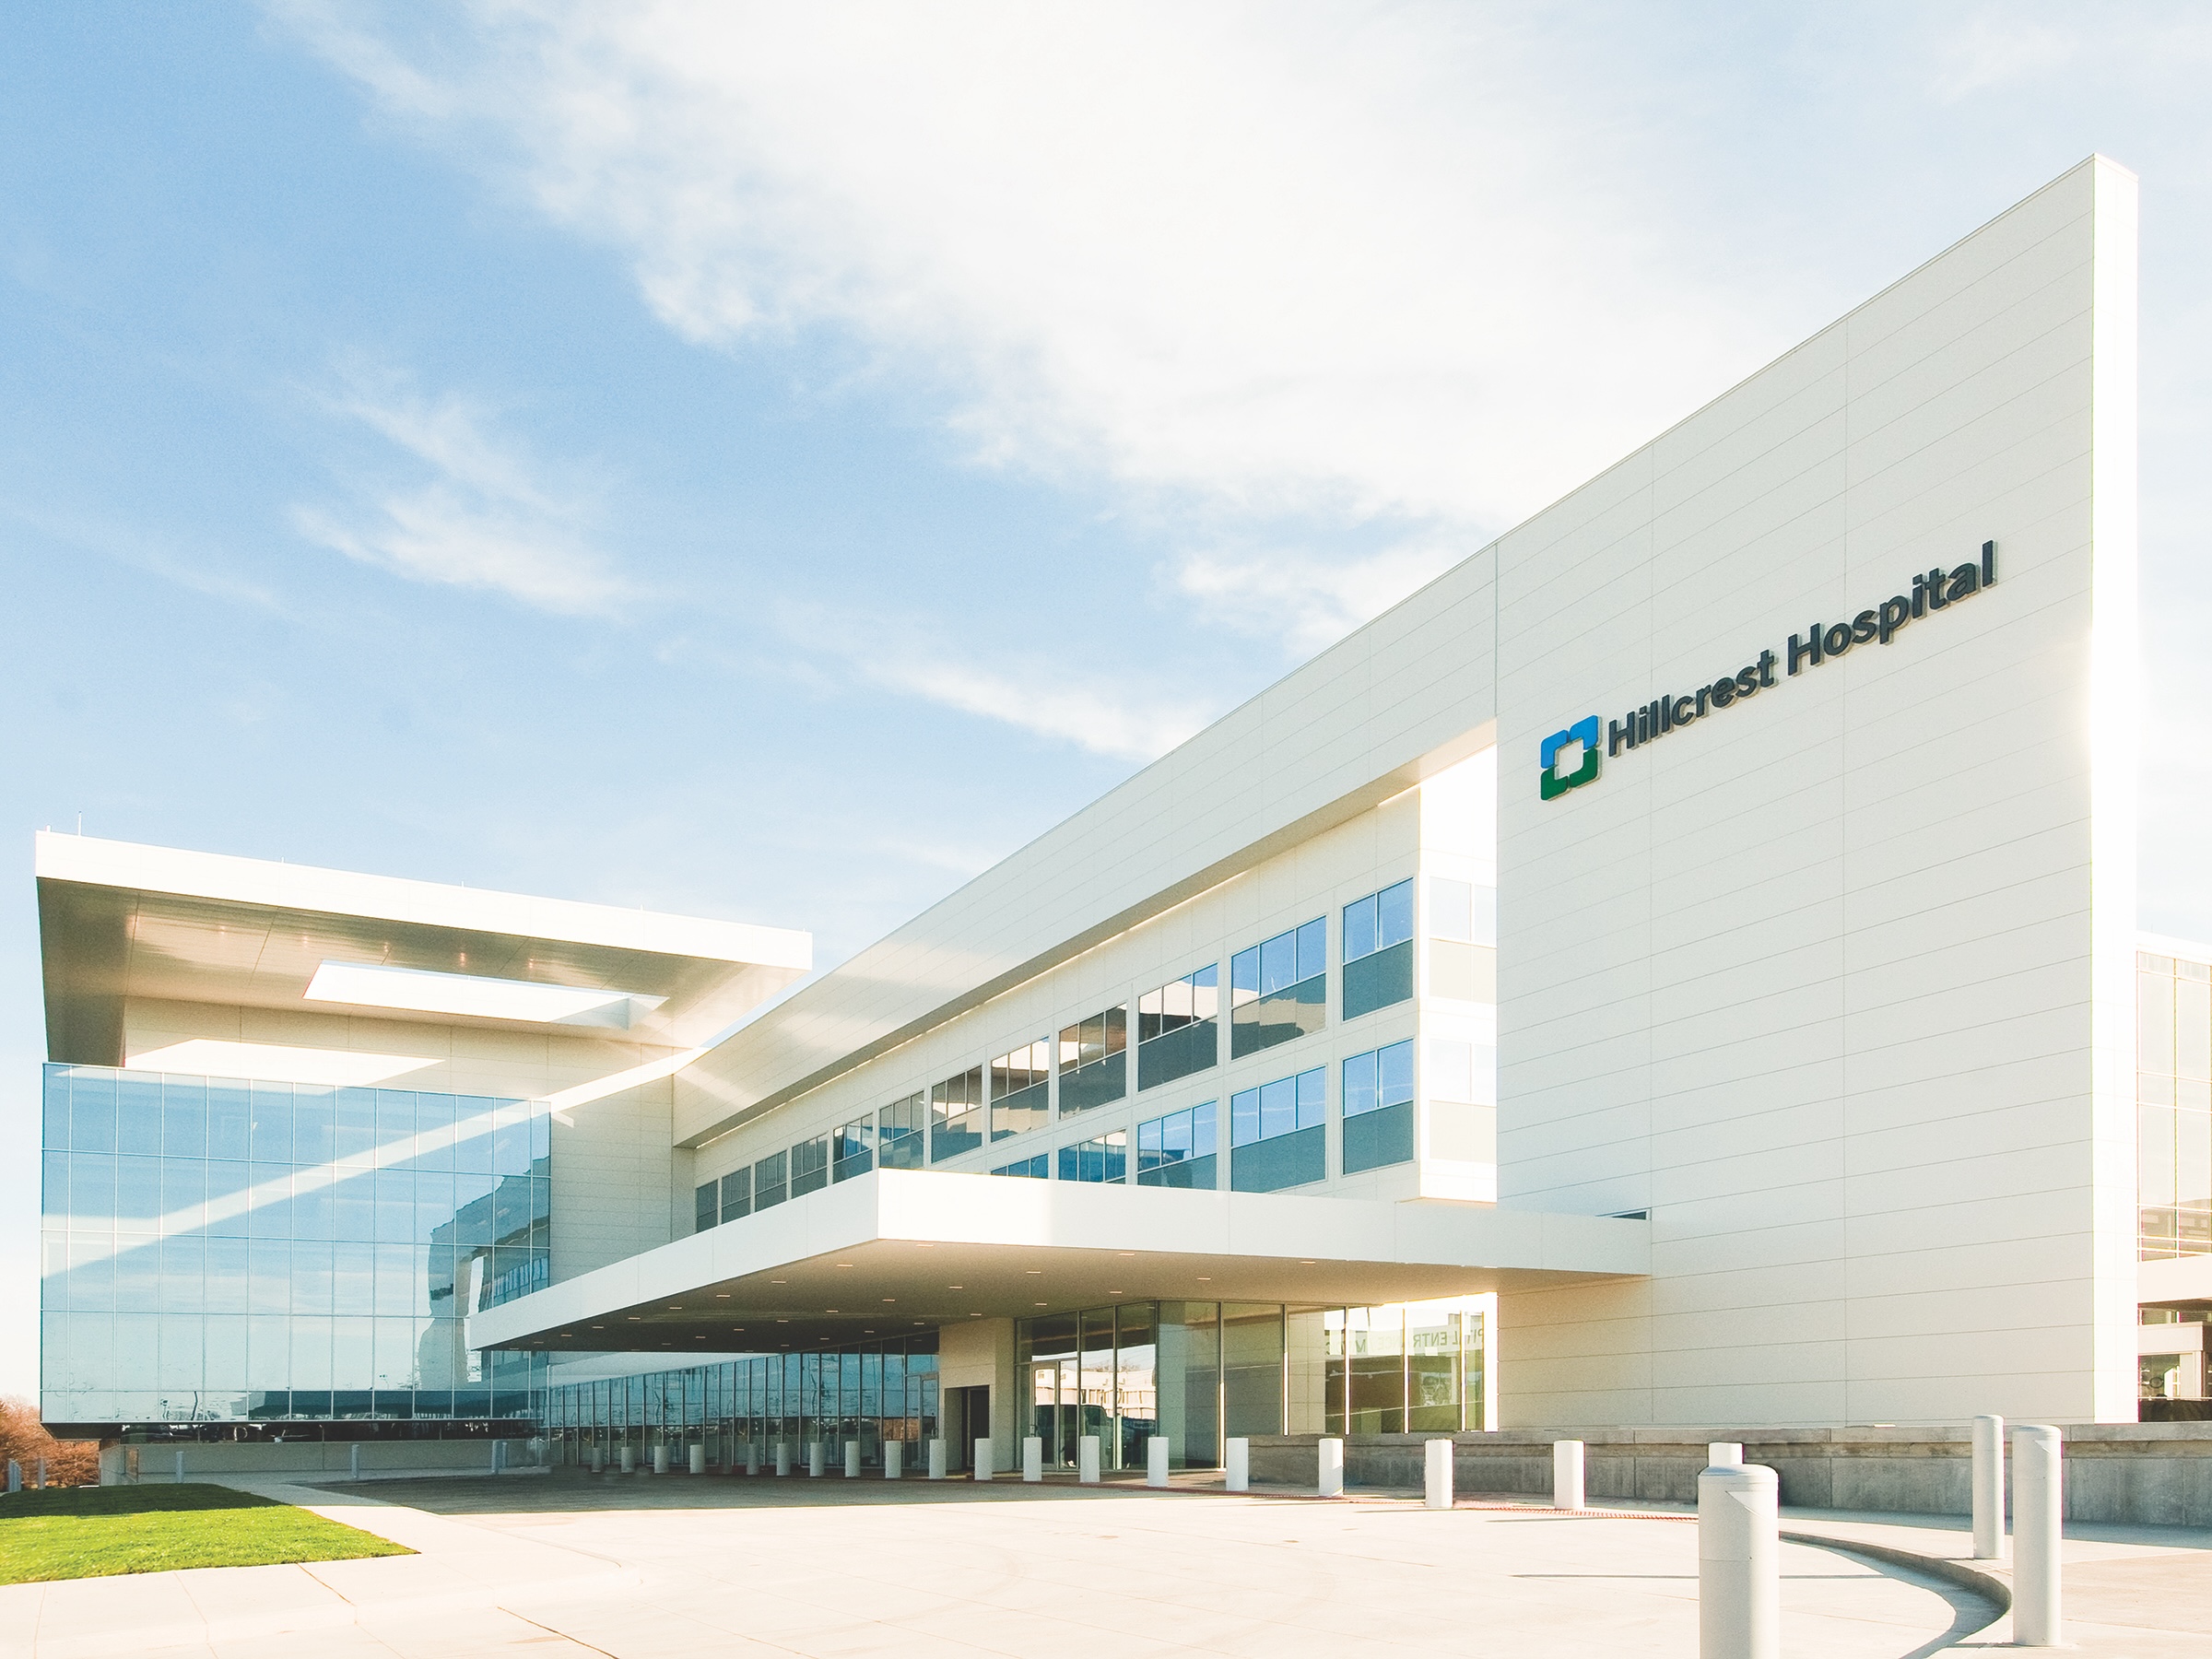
(1833, 980)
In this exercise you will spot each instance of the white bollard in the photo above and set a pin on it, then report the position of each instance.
(1087, 1460)
(2038, 1516)
(1240, 1464)
(630, 1458)
(1032, 1458)
(15, 1475)
(1567, 1475)
(42, 1475)
(179, 1468)
(598, 1463)
(752, 1457)
(816, 1458)
(982, 1460)
(938, 1458)
(1739, 1563)
(1724, 1455)
(660, 1458)
(699, 1458)
(353, 1462)
(894, 1459)
(1155, 1461)
(852, 1460)
(1436, 1482)
(1330, 1458)
(782, 1457)
(1989, 1489)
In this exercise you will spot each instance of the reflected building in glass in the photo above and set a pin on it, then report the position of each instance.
(299, 1127)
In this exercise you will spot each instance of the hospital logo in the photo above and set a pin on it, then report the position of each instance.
(1556, 783)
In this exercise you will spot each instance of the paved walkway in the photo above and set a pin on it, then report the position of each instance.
(651, 1568)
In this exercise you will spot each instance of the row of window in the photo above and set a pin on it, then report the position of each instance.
(1277, 1133)
(1278, 992)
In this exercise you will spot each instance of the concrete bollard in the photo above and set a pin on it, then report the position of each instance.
(1240, 1464)
(1724, 1455)
(1567, 1475)
(1155, 1461)
(852, 1460)
(15, 1477)
(179, 1468)
(353, 1462)
(752, 1457)
(894, 1459)
(2038, 1516)
(1739, 1563)
(1989, 1489)
(660, 1458)
(41, 1477)
(1436, 1482)
(982, 1460)
(1329, 1456)
(938, 1458)
(699, 1458)
(1032, 1458)
(815, 1459)
(630, 1459)
(1087, 1460)
(782, 1457)
(598, 1462)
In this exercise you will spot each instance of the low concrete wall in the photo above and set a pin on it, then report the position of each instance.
(2141, 1474)
(321, 1460)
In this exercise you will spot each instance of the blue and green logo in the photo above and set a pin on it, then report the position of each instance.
(1556, 783)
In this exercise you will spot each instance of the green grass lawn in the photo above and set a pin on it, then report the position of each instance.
(89, 1532)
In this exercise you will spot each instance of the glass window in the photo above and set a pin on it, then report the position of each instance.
(1277, 1133)
(810, 1166)
(1278, 989)
(956, 1114)
(1462, 911)
(1101, 1158)
(1093, 1064)
(899, 1133)
(853, 1148)
(1039, 1168)
(1379, 921)
(737, 1194)
(1177, 1150)
(706, 1206)
(1178, 1028)
(1378, 950)
(772, 1180)
(1378, 1108)
(1022, 1089)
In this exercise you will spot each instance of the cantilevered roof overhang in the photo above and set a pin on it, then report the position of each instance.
(896, 1249)
(118, 920)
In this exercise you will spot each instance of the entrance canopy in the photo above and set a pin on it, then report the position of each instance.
(895, 1249)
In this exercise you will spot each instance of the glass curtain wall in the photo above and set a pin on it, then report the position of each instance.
(877, 1393)
(227, 1250)
(1406, 1368)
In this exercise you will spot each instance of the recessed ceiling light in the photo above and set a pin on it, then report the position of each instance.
(1128, 1253)
(1045, 1304)
(844, 1263)
(598, 1327)
(975, 1316)
(829, 1309)
(956, 1287)
(676, 1307)
(1206, 1279)
(1113, 1292)
(890, 1300)
(777, 1281)
(721, 1296)
(1034, 1272)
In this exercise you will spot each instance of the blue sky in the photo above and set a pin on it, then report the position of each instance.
(770, 462)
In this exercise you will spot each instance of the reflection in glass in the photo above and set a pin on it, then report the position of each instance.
(226, 1249)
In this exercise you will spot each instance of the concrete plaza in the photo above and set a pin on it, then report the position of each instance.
(653, 1568)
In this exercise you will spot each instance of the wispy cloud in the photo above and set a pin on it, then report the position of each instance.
(473, 510)
(1027, 691)
(1310, 599)
(1284, 259)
